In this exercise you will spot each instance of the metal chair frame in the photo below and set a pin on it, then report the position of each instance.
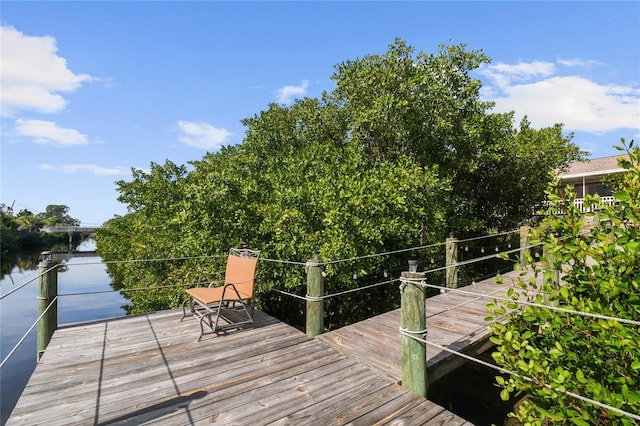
(209, 304)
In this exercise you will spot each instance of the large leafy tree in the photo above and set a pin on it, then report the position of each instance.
(21, 232)
(288, 196)
(149, 231)
(402, 152)
(560, 354)
(429, 106)
(57, 214)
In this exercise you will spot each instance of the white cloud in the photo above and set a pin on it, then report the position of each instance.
(287, 93)
(32, 74)
(94, 169)
(202, 135)
(535, 90)
(503, 75)
(47, 132)
(577, 62)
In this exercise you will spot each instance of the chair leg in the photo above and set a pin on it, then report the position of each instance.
(184, 309)
(201, 328)
(248, 308)
(214, 325)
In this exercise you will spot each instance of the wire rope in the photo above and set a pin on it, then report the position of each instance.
(412, 335)
(417, 281)
(28, 282)
(15, 348)
(500, 234)
(328, 296)
(387, 253)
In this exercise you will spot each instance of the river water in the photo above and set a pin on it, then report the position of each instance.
(19, 311)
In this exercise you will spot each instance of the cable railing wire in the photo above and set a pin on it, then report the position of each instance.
(264, 259)
(387, 253)
(478, 259)
(412, 335)
(289, 262)
(26, 283)
(111, 262)
(329, 296)
(159, 259)
(437, 269)
(422, 283)
(24, 337)
(481, 237)
(122, 290)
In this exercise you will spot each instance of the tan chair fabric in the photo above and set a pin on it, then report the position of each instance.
(238, 286)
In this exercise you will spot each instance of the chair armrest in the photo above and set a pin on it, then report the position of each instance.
(232, 289)
(213, 283)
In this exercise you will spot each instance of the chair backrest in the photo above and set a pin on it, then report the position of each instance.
(241, 270)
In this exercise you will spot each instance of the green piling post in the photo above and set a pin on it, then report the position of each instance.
(315, 290)
(47, 293)
(413, 321)
(451, 260)
(524, 244)
(554, 273)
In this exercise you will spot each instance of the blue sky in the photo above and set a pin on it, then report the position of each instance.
(91, 89)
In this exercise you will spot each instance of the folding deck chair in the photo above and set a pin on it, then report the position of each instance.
(212, 303)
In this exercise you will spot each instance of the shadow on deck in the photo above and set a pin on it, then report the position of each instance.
(148, 369)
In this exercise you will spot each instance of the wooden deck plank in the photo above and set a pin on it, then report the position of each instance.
(114, 383)
(239, 393)
(454, 320)
(378, 406)
(149, 369)
(325, 411)
(215, 390)
(299, 392)
(159, 373)
(173, 348)
(111, 359)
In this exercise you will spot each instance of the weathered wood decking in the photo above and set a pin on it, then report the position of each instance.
(148, 369)
(454, 320)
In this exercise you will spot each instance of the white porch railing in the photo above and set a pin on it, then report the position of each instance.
(604, 201)
(579, 203)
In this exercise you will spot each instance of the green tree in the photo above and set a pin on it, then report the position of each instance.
(555, 352)
(288, 200)
(429, 107)
(28, 221)
(402, 152)
(8, 230)
(21, 233)
(150, 231)
(57, 214)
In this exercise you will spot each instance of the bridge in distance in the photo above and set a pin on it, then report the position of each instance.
(67, 229)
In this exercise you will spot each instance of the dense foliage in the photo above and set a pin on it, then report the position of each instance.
(400, 154)
(20, 232)
(559, 352)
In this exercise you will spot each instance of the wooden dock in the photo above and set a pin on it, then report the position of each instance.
(149, 369)
(455, 321)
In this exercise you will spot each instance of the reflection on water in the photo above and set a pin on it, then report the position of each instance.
(85, 293)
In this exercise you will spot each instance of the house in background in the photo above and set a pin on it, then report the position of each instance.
(586, 178)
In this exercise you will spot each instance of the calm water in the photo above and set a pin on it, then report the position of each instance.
(19, 311)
